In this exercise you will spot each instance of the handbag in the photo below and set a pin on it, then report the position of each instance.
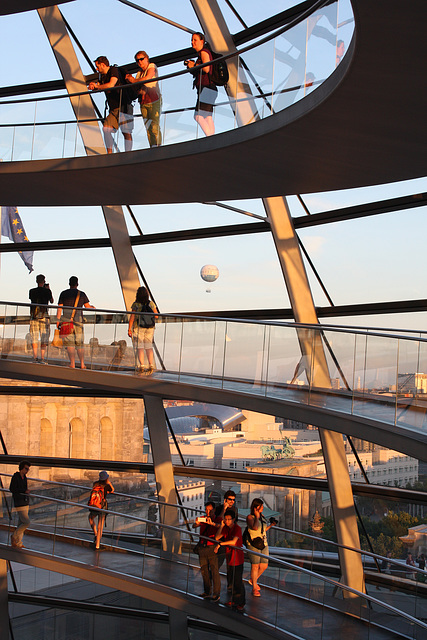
(258, 542)
(57, 340)
(67, 327)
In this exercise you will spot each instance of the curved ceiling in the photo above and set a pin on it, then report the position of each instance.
(18, 6)
(365, 125)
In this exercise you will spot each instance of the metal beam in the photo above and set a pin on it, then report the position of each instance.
(163, 470)
(314, 364)
(362, 211)
(83, 108)
(338, 311)
(147, 238)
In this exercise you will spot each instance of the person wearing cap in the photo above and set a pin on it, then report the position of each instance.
(40, 297)
(149, 97)
(104, 485)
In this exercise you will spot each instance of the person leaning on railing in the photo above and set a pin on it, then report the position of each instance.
(149, 97)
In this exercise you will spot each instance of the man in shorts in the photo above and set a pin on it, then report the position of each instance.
(40, 297)
(120, 110)
(75, 300)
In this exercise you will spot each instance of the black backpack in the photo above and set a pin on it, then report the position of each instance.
(145, 318)
(219, 70)
(129, 93)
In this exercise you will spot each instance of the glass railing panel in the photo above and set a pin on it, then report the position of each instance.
(107, 345)
(178, 100)
(411, 384)
(7, 136)
(289, 66)
(198, 344)
(286, 372)
(172, 346)
(339, 352)
(244, 357)
(22, 143)
(255, 85)
(375, 377)
(48, 142)
(321, 43)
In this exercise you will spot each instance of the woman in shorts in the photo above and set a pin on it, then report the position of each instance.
(141, 329)
(257, 528)
(102, 486)
(206, 89)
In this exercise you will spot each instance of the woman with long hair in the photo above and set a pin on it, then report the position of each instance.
(206, 89)
(141, 329)
(257, 531)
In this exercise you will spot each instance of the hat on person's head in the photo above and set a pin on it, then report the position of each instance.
(103, 475)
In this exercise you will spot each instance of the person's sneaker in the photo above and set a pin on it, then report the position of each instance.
(229, 603)
(151, 369)
(240, 607)
(215, 597)
(42, 361)
(204, 595)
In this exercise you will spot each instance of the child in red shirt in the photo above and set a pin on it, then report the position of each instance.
(230, 535)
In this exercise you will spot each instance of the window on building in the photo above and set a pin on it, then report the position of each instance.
(190, 462)
(233, 464)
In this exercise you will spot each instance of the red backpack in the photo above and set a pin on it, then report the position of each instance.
(97, 497)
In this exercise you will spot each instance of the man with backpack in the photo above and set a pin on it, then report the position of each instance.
(120, 105)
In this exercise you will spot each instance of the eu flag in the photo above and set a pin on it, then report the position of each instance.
(12, 228)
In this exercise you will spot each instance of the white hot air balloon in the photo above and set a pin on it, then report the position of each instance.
(209, 273)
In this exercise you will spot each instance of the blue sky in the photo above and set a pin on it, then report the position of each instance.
(379, 258)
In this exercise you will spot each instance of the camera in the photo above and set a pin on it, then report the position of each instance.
(46, 285)
(202, 519)
(273, 521)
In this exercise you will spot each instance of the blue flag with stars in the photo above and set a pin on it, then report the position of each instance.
(12, 228)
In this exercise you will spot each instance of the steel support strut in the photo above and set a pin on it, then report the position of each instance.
(69, 66)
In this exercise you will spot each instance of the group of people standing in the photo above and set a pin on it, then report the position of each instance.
(70, 323)
(120, 101)
(220, 531)
(69, 319)
(21, 500)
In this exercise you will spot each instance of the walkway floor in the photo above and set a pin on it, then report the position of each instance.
(298, 611)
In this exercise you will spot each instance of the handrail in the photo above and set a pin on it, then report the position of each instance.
(305, 14)
(289, 565)
(165, 112)
(375, 556)
(116, 493)
(191, 318)
(316, 484)
(276, 528)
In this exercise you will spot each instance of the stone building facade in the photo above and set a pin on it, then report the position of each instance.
(67, 427)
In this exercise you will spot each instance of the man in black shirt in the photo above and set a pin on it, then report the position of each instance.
(75, 299)
(121, 110)
(19, 489)
(40, 297)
